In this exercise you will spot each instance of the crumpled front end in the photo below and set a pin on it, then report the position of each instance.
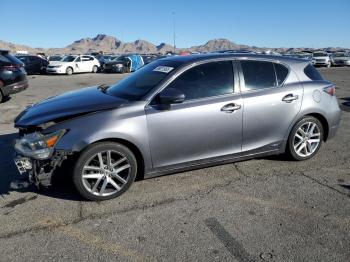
(36, 156)
(40, 172)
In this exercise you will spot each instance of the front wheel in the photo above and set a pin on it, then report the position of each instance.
(69, 71)
(305, 139)
(104, 171)
(94, 69)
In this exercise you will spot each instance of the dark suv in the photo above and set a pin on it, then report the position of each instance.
(13, 77)
(33, 64)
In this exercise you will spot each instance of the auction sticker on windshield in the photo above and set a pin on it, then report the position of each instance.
(163, 69)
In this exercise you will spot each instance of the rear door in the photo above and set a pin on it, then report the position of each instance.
(270, 104)
(35, 63)
(87, 63)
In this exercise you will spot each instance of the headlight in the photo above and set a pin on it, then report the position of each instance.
(118, 65)
(37, 145)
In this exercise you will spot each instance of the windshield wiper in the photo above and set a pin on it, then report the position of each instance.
(103, 87)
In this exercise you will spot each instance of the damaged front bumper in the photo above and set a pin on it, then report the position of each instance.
(40, 172)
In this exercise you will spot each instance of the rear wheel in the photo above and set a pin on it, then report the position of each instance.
(305, 139)
(104, 171)
(69, 71)
(1, 96)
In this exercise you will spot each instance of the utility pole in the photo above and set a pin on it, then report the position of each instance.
(173, 13)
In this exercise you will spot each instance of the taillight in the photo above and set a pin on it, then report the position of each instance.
(330, 90)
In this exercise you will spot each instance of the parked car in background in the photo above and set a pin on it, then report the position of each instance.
(33, 64)
(71, 64)
(13, 77)
(321, 58)
(176, 114)
(150, 58)
(124, 64)
(302, 55)
(55, 58)
(341, 59)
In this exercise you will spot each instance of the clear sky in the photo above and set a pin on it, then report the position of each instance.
(263, 23)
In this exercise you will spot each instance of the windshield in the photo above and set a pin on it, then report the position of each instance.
(319, 54)
(68, 58)
(121, 58)
(340, 55)
(55, 58)
(138, 84)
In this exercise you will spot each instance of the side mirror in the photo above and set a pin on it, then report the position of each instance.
(171, 96)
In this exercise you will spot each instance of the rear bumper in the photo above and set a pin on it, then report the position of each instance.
(332, 131)
(14, 88)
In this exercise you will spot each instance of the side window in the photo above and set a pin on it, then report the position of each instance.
(77, 59)
(312, 73)
(86, 58)
(281, 73)
(206, 80)
(258, 74)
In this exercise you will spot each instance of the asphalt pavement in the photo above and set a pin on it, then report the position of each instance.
(267, 209)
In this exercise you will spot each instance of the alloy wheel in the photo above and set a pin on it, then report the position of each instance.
(307, 139)
(106, 173)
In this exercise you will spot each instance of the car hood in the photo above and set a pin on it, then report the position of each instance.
(55, 63)
(67, 105)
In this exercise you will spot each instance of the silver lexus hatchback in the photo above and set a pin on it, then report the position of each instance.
(176, 114)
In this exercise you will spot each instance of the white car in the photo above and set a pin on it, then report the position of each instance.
(74, 64)
(321, 59)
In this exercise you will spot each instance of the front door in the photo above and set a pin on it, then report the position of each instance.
(206, 125)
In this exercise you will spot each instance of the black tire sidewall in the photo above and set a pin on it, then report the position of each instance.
(94, 149)
(290, 148)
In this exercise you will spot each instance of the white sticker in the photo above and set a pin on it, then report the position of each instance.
(163, 69)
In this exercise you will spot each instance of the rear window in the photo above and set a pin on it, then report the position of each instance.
(7, 58)
(312, 73)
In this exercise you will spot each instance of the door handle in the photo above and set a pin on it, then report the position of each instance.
(290, 98)
(229, 108)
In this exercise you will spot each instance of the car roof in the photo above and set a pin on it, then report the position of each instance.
(212, 56)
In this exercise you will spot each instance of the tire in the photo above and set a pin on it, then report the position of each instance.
(94, 69)
(89, 181)
(329, 65)
(1, 97)
(69, 71)
(302, 142)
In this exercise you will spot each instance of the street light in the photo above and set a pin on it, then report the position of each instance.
(173, 14)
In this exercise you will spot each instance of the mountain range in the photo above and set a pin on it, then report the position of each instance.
(110, 44)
